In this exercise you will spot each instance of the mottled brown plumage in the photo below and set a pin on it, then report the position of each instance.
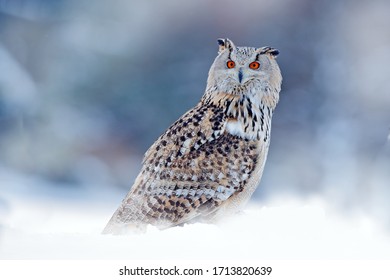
(210, 161)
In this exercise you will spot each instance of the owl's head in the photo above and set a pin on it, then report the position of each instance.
(244, 70)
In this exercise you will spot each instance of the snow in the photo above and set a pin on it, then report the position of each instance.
(39, 221)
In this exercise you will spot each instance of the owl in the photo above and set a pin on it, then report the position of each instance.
(208, 163)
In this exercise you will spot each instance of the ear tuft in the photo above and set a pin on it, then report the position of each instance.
(221, 42)
(273, 52)
(225, 44)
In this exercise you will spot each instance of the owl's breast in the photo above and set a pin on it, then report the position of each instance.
(249, 118)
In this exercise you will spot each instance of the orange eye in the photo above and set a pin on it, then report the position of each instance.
(230, 64)
(254, 65)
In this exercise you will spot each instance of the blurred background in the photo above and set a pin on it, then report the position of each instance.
(87, 86)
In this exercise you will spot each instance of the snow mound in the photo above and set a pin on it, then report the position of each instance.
(294, 231)
(38, 221)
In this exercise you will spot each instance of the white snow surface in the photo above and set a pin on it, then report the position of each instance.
(39, 221)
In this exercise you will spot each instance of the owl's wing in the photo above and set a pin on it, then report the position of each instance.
(185, 173)
(202, 124)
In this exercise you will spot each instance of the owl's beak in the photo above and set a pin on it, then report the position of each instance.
(240, 75)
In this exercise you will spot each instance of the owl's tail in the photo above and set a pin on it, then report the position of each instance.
(123, 229)
(117, 226)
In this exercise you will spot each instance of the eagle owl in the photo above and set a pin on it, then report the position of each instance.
(209, 162)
